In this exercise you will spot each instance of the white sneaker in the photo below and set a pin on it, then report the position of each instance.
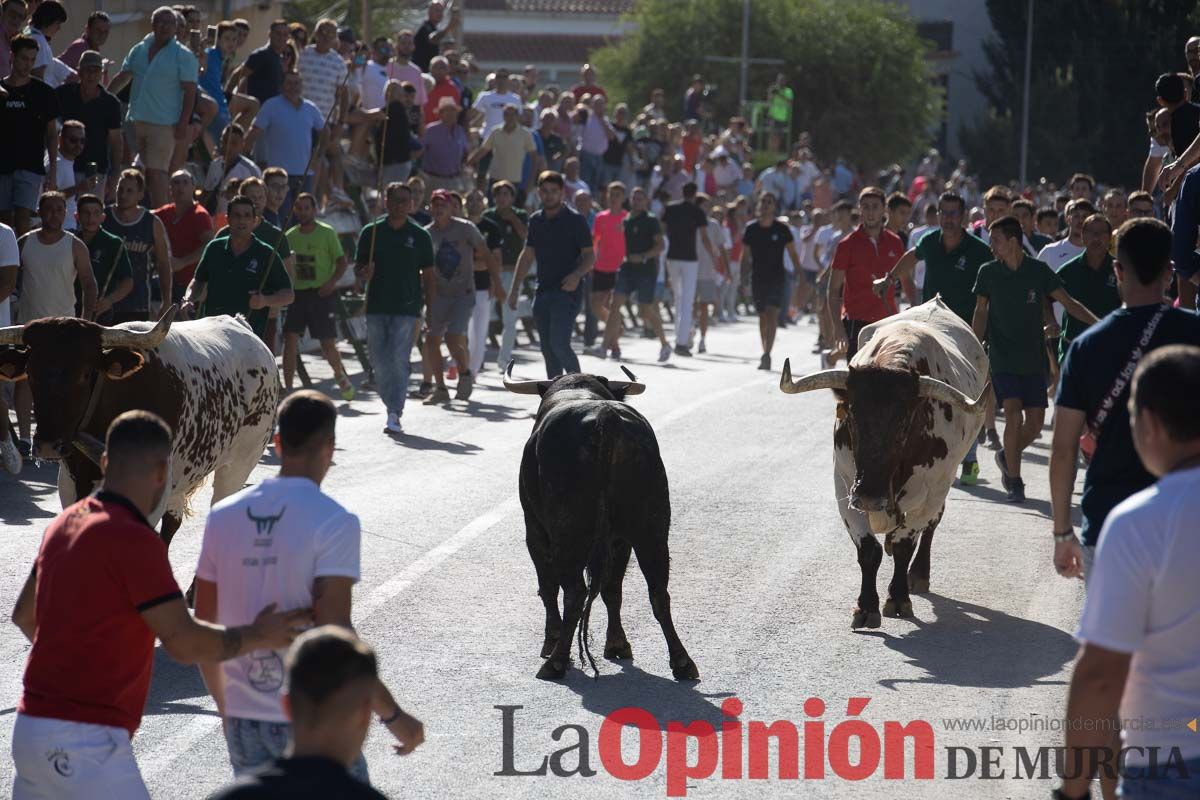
(664, 353)
(393, 424)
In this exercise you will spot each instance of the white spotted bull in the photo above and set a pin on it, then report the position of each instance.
(213, 381)
(905, 420)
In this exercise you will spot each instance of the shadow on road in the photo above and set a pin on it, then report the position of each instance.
(970, 645)
(19, 506)
(422, 443)
(490, 412)
(173, 683)
(665, 698)
(995, 495)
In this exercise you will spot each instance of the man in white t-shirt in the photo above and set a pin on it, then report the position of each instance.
(1140, 626)
(488, 108)
(285, 543)
(1062, 251)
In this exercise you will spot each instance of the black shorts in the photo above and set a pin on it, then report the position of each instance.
(767, 293)
(316, 313)
(603, 281)
(853, 329)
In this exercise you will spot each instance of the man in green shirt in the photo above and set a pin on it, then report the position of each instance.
(394, 258)
(513, 224)
(110, 261)
(779, 108)
(1011, 294)
(952, 259)
(1090, 278)
(320, 264)
(239, 273)
(638, 274)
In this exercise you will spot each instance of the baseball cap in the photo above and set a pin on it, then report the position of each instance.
(91, 58)
(441, 194)
(346, 34)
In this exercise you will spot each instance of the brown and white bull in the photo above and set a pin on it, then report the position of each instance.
(213, 381)
(909, 406)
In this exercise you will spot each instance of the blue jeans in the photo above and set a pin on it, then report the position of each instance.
(1173, 786)
(591, 171)
(971, 454)
(389, 345)
(254, 745)
(554, 314)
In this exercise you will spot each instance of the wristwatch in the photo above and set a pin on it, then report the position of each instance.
(1065, 536)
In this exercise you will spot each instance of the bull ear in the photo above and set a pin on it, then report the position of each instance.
(119, 363)
(12, 364)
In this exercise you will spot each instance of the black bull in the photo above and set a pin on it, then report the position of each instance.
(593, 489)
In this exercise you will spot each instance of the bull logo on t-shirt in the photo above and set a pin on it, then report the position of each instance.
(447, 259)
(252, 267)
(961, 264)
(1032, 298)
(266, 525)
(265, 671)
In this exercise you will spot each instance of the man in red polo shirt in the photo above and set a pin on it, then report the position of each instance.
(101, 590)
(189, 228)
(869, 252)
(439, 68)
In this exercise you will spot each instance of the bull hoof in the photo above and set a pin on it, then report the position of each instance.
(863, 619)
(685, 670)
(553, 670)
(918, 585)
(893, 609)
(548, 646)
(620, 651)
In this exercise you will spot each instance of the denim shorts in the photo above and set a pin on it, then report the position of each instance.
(1180, 783)
(639, 280)
(1029, 389)
(20, 189)
(63, 759)
(254, 745)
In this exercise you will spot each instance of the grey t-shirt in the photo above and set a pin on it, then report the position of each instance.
(454, 255)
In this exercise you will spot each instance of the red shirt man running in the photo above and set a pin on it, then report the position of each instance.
(869, 252)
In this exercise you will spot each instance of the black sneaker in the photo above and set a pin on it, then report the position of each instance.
(764, 363)
(423, 390)
(1003, 465)
(1016, 490)
(994, 439)
(682, 350)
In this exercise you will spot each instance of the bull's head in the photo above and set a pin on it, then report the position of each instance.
(598, 384)
(64, 360)
(877, 408)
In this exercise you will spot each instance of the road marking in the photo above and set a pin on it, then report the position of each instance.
(189, 735)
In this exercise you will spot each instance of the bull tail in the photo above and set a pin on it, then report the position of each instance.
(598, 557)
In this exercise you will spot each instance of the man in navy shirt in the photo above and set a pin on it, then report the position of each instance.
(559, 238)
(1100, 364)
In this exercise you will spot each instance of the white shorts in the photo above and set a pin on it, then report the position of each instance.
(54, 758)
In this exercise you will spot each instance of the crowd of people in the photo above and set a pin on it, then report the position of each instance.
(189, 171)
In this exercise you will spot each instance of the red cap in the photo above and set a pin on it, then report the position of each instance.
(441, 194)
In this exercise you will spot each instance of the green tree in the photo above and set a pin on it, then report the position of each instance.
(1092, 81)
(857, 67)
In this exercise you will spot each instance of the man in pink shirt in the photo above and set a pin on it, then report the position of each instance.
(93, 38)
(403, 69)
(608, 239)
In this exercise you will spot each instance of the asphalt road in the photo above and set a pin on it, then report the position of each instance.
(763, 583)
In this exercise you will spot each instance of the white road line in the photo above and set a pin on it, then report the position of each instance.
(161, 757)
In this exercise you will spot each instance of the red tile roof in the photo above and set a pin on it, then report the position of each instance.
(506, 47)
(553, 6)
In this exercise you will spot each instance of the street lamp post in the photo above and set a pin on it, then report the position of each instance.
(1025, 98)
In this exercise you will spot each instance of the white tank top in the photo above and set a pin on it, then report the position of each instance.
(47, 278)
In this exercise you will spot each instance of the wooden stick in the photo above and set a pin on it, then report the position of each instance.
(379, 190)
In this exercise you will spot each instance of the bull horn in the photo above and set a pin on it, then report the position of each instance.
(140, 340)
(826, 379)
(628, 387)
(940, 390)
(522, 387)
(12, 335)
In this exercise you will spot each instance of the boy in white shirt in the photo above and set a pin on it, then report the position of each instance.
(1140, 626)
(286, 543)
